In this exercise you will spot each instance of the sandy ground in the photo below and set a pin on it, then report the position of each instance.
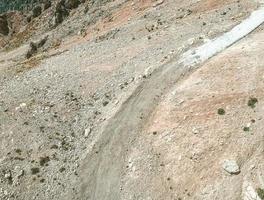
(191, 139)
(111, 116)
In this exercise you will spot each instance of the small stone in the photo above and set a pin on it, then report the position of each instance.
(148, 72)
(231, 167)
(18, 172)
(5, 192)
(21, 107)
(195, 131)
(87, 132)
(248, 125)
(7, 175)
(180, 102)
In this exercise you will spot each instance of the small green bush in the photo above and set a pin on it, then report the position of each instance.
(260, 193)
(35, 170)
(44, 160)
(246, 129)
(252, 102)
(221, 111)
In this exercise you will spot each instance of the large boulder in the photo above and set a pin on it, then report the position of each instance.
(4, 29)
(36, 11)
(71, 4)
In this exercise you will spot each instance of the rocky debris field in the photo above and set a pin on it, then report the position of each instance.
(94, 106)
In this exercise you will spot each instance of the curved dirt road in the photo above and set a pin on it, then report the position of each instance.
(103, 168)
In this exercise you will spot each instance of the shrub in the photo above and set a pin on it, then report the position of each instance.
(246, 129)
(252, 102)
(221, 111)
(35, 170)
(260, 193)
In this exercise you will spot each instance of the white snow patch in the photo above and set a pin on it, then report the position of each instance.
(211, 48)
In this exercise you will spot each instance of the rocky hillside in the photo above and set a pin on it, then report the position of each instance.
(94, 103)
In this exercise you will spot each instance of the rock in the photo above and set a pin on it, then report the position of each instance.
(46, 4)
(7, 175)
(4, 29)
(36, 11)
(17, 174)
(71, 4)
(195, 131)
(21, 107)
(248, 192)
(231, 167)
(87, 132)
(148, 72)
(5, 192)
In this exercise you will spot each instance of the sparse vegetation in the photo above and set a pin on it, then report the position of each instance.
(62, 169)
(44, 160)
(42, 180)
(252, 102)
(105, 103)
(36, 11)
(246, 129)
(260, 192)
(35, 170)
(18, 151)
(54, 146)
(221, 111)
